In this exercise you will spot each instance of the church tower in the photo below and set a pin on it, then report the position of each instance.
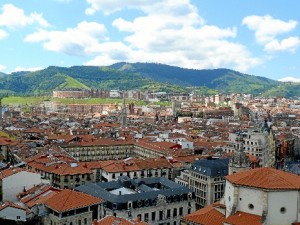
(123, 114)
(239, 161)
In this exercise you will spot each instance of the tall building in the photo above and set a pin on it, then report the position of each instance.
(256, 142)
(207, 179)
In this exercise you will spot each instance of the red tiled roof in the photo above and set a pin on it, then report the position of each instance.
(242, 218)
(206, 216)
(109, 220)
(39, 196)
(67, 200)
(9, 172)
(13, 205)
(267, 178)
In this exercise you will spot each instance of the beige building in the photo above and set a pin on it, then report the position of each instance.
(72, 208)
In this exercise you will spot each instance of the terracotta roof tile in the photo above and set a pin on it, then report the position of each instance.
(267, 178)
(242, 218)
(67, 169)
(11, 204)
(69, 199)
(10, 171)
(109, 220)
(206, 216)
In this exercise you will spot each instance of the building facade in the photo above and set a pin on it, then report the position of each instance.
(154, 200)
(207, 179)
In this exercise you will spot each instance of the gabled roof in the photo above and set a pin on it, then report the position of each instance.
(266, 178)
(242, 218)
(206, 216)
(13, 205)
(38, 195)
(67, 200)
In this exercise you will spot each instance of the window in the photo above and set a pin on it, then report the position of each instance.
(79, 222)
(153, 216)
(161, 215)
(85, 221)
(168, 213)
(180, 211)
(175, 212)
(139, 216)
(18, 217)
(251, 206)
(282, 210)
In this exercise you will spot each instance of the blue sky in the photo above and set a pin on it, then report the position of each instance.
(252, 36)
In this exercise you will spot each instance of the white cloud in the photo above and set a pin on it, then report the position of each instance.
(267, 29)
(109, 6)
(3, 34)
(169, 31)
(180, 39)
(289, 79)
(291, 44)
(13, 17)
(20, 68)
(73, 41)
(2, 67)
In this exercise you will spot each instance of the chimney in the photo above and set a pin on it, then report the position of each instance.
(95, 222)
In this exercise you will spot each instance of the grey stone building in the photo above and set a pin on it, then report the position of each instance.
(157, 201)
(206, 179)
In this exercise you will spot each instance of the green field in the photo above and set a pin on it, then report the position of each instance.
(18, 100)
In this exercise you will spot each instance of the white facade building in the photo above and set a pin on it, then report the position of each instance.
(262, 196)
(12, 211)
(16, 182)
(266, 192)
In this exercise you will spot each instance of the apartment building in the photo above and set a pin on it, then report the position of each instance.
(154, 200)
(207, 179)
(100, 149)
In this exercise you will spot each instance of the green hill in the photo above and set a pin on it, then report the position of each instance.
(285, 89)
(224, 80)
(144, 76)
(72, 83)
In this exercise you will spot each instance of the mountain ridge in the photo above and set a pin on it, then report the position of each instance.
(144, 76)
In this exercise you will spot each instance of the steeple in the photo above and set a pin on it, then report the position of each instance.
(123, 115)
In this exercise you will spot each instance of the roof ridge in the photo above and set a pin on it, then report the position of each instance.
(66, 200)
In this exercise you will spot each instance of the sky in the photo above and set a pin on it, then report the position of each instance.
(257, 37)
